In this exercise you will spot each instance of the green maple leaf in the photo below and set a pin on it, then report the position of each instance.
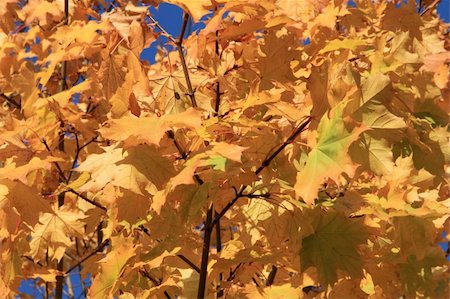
(329, 156)
(333, 246)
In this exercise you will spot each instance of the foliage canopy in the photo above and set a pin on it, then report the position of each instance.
(287, 149)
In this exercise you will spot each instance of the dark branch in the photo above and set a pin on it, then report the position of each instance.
(205, 254)
(77, 153)
(98, 249)
(154, 280)
(429, 7)
(58, 167)
(31, 260)
(9, 100)
(218, 94)
(291, 138)
(87, 199)
(264, 164)
(183, 61)
(190, 263)
(272, 274)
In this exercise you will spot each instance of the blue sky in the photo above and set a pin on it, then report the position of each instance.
(169, 16)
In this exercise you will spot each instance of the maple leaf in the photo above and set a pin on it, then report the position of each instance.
(149, 129)
(338, 44)
(112, 267)
(111, 73)
(43, 11)
(411, 233)
(333, 246)
(174, 197)
(26, 201)
(196, 8)
(120, 96)
(53, 230)
(282, 291)
(375, 154)
(328, 156)
(133, 169)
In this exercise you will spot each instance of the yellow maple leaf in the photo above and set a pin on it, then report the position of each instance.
(54, 231)
(112, 267)
(196, 8)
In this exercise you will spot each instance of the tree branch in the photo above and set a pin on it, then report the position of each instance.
(272, 274)
(77, 153)
(155, 281)
(62, 86)
(218, 94)
(291, 138)
(164, 31)
(9, 100)
(429, 7)
(98, 249)
(183, 61)
(189, 262)
(58, 167)
(205, 254)
(87, 199)
(219, 249)
(179, 44)
(264, 164)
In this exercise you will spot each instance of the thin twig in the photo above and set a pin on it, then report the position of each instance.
(179, 43)
(58, 167)
(205, 254)
(154, 280)
(171, 135)
(272, 274)
(10, 100)
(189, 262)
(77, 153)
(62, 86)
(31, 260)
(429, 7)
(161, 28)
(288, 141)
(218, 94)
(87, 199)
(264, 164)
(98, 249)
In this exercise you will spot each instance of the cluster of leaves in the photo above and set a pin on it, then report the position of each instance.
(289, 148)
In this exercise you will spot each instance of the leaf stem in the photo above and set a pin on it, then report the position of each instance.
(161, 28)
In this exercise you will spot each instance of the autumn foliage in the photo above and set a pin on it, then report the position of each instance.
(288, 149)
